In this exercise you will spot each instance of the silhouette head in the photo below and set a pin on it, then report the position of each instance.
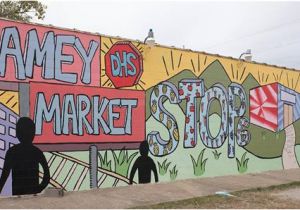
(25, 130)
(144, 148)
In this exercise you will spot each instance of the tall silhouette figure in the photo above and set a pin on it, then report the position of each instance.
(23, 161)
(144, 164)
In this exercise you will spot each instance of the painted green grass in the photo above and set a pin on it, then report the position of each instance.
(199, 165)
(216, 154)
(173, 173)
(123, 161)
(163, 167)
(242, 164)
(104, 163)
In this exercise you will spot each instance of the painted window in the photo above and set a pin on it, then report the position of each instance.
(2, 144)
(12, 132)
(2, 129)
(12, 119)
(2, 114)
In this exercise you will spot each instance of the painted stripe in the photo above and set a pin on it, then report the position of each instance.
(102, 179)
(51, 160)
(59, 169)
(262, 123)
(80, 180)
(70, 173)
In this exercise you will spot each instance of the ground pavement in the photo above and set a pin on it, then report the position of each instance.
(139, 195)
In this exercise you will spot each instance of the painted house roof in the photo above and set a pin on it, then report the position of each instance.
(264, 106)
(267, 105)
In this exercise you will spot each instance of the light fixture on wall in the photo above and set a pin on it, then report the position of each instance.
(149, 40)
(248, 54)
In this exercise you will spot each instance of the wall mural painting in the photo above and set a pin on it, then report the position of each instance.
(104, 112)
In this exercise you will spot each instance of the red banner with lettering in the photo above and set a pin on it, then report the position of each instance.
(44, 54)
(80, 114)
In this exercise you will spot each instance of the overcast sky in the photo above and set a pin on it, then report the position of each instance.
(270, 29)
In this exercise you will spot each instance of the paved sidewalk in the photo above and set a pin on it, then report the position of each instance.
(139, 195)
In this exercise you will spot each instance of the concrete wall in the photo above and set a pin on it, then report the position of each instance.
(194, 109)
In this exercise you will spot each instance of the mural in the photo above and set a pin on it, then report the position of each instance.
(98, 102)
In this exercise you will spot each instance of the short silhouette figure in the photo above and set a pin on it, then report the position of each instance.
(23, 161)
(145, 165)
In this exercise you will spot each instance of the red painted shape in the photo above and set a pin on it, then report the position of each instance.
(49, 137)
(123, 64)
(75, 67)
(264, 106)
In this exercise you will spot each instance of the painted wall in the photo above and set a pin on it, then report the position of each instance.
(202, 115)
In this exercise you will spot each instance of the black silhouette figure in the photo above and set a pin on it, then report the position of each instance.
(23, 160)
(145, 165)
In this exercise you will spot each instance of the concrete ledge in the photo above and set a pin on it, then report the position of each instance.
(138, 195)
(53, 192)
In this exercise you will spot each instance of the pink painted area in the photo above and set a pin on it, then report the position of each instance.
(75, 67)
(138, 114)
(264, 106)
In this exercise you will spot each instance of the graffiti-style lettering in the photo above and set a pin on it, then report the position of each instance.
(243, 135)
(158, 146)
(61, 58)
(43, 113)
(236, 90)
(11, 47)
(83, 107)
(74, 113)
(40, 54)
(129, 104)
(114, 115)
(124, 64)
(190, 90)
(126, 103)
(87, 58)
(132, 69)
(48, 55)
(69, 114)
(98, 115)
(216, 92)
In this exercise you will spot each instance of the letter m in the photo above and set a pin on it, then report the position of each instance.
(40, 55)
(43, 113)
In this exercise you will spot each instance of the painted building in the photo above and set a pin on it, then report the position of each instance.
(94, 98)
(8, 120)
(274, 106)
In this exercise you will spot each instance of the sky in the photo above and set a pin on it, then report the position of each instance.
(270, 29)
